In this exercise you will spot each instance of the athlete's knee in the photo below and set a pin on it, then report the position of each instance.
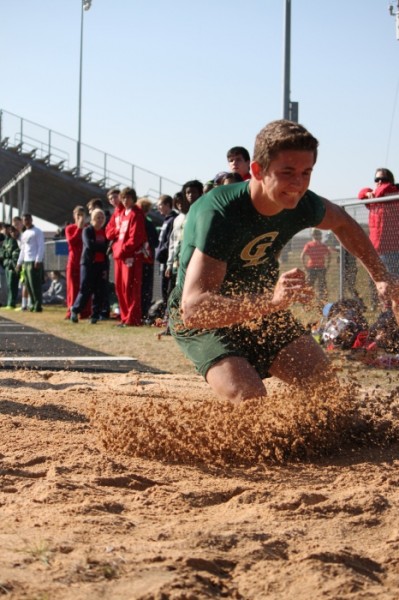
(233, 379)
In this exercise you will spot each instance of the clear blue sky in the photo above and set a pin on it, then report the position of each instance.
(171, 85)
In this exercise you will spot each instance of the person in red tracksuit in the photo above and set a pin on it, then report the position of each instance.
(112, 233)
(73, 234)
(128, 249)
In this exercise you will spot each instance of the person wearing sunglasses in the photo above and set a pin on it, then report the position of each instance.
(383, 220)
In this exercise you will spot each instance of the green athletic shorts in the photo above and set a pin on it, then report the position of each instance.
(259, 343)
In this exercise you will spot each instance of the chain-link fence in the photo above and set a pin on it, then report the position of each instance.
(345, 276)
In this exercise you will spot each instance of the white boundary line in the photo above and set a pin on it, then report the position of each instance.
(23, 333)
(65, 358)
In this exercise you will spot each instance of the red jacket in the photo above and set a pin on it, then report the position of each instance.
(113, 225)
(73, 235)
(383, 219)
(132, 235)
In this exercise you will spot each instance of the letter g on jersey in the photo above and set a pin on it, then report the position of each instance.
(254, 252)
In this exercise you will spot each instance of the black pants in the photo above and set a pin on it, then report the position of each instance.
(93, 282)
(147, 288)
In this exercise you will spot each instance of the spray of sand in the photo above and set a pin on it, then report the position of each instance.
(288, 424)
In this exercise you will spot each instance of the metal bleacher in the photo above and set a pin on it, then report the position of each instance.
(38, 173)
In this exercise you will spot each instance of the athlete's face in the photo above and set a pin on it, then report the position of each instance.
(286, 179)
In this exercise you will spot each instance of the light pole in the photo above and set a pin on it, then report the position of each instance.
(290, 109)
(85, 6)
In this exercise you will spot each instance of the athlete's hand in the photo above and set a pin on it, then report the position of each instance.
(290, 288)
(389, 293)
(388, 288)
(395, 310)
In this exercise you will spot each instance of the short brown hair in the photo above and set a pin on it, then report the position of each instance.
(129, 191)
(113, 190)
(282, 135)
(166, 199)
(94, 203)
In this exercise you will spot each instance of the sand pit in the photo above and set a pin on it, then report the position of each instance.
(142, 486)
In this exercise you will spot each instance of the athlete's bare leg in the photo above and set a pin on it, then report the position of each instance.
(303, 362)
(234, 379)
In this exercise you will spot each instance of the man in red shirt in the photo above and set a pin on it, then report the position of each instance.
(316, 259)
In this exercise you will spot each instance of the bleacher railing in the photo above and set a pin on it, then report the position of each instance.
(97, 166)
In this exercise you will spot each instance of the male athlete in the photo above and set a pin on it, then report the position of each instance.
(229, 311)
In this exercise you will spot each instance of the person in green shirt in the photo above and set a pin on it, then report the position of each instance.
(9, 254)
(229, 311)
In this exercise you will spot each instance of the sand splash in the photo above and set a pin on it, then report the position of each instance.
(288, 424)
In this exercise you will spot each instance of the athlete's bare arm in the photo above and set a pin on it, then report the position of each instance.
(204, 307)
(354, 239)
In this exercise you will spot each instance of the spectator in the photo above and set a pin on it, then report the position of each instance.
(239, 161)
(384, 219)
(18, 224)
(56, 293)
(225, 177)
(128, 249)
(165, 207)
(383, 224)
(147, 284)
(3, 232)
(232, 178)
(9, 253)
(350, 276)
(3, 279)
(208, 186)
(94, 268)
(219, 178)
(316, 258)
(112, 232)
(31, 259)
(93, 204)
(191, 191)
(73, 234)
